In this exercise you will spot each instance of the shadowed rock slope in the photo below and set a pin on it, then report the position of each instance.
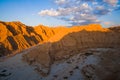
(73, 43)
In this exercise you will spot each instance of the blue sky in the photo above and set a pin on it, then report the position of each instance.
(61, 12)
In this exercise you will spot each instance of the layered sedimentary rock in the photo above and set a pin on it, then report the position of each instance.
(73, 42)
(61, 43)
(15, 36)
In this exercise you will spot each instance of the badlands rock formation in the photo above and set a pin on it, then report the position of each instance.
(74, 42)
(15, 36)
(87, 52)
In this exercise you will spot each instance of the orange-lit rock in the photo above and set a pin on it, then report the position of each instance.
(73, 42)
(55, 43)
(16, 36)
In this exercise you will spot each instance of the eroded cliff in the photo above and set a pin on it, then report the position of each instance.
(15, 36)
(64, 50)
(72, 43)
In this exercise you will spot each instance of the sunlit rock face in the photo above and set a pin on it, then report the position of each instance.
(90, 51)
(72, 43)
(16, 36)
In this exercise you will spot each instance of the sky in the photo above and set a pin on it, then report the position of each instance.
(61, 12)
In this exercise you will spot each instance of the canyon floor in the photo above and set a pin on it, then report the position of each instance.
(90, 64)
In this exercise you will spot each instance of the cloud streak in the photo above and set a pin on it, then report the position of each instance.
(111, 2)
(80, 12)
(50, 12)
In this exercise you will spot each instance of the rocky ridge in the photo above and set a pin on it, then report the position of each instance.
(90, 51)
(44, 55)
(16, 36)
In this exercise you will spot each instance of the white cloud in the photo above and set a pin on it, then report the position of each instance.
(60, 2)
(83, 14)
(111, 2)
(101, 10)
(65, 11)
(94, 3)
(78, 12)
(85, 5)
(50, 12)
(108, 23)
(100, 7)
